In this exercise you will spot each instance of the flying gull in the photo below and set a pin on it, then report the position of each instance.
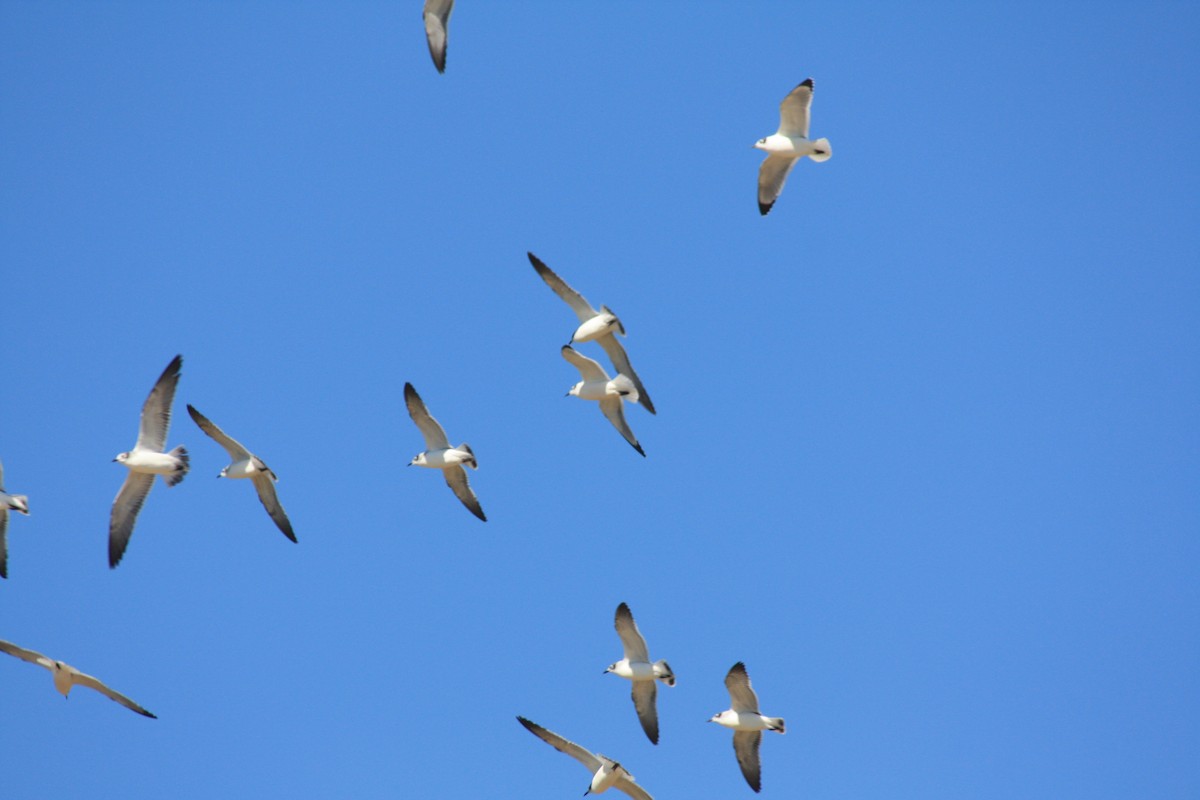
(247, 465)
(596, 386)
(437, 18)
(146, 460)
(637, 667)
(747, 724)
(606, 773)
(595, 326)
(66, 677)
(788, 145)
(440, 455)
(17, 502)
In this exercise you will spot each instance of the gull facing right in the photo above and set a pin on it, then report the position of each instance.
(600, 327)
(17, 502)
(747, 724)
(606, 773)
(146, 460)
(247, 465)
(637, 667)
(596, 386)
(788, 145)
(440, 455)
(66, 677)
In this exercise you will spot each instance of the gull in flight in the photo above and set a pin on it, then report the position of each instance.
(606, 773)
(637, 667)
(146, 460)
(595, 326)
(66, 677)
(788, 145)
(247, 465)
(596, 386)
(440, 455)
(437, 17)
(16, 502)
(747, 724)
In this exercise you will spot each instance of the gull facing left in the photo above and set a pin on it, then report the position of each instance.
(16, 502)
(440, 455)
(67, 677)
(247, 465)
(788, 145)
(747, 723)
(146, 460)
(606, 773)
(637, 667)
(596, 386)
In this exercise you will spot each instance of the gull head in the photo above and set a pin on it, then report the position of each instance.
(574, 390)
(610, 668)
(122, 457)
(761, 144)
(418, 460)
(221, 474)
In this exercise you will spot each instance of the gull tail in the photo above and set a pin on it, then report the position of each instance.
(662, 671)
(775, 724)
(625, 387)
(181, 454)
(821, 150)
(473, 464)
(21, 503)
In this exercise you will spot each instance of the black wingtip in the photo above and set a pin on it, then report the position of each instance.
(638, 447)
(764, 208)
(807, 82)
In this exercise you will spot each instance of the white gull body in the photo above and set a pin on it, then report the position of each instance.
(439, 454)
(606, 773)
(597, 386)
(636, 666)
(747, 724)
(67, 677)
(788, 145)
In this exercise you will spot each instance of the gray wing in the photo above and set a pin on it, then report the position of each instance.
(3, 542)
(574, 299)
(741, 696)
(232, 446)
(87, 680)
(611, 408)
(745, 746)
(1, 476)
(264, 484)
(156, 411)
(585, 757)
(23, 654)
(456, 479)
(124, 513)
(631, 638)
(437, 20)
(793, 111)
(620, 360)
(589, 369)
(644, 694)
(771, 176)
(435, 437)
(626, 784)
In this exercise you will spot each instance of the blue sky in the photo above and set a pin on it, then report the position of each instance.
(926, 455)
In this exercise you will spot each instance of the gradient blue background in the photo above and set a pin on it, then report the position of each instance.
(927, 455)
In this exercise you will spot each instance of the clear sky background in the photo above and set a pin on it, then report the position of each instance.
(927, 451)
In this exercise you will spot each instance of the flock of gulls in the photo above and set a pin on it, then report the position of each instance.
(149, 458)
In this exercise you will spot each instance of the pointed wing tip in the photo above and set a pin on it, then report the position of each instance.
(765, 208)
(808, 82)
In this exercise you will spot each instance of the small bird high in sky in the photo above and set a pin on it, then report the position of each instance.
(16, 502)
(610, 393)
(788, 145)
(600, 327)
(747, 724)
(439, 454)
(637, 667)
(146, 460)
(67, 677)
(247, 465)
(606, 773)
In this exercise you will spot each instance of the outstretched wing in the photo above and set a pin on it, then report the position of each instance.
(644, 694)
(626, 784)
(742, 697)
(585, 757)
(620, 360)
(23, 654)
(611, 406)
(156, 411)
(92, 683)
(772, 175)
(793, 111)
(3, 542)
(264, 484)
(232, 446)
(589, 369)
(456, 479)
(435, 436)
(574, 299)
(745, 746)
(125, 512)
(437, 19)
(631, 638)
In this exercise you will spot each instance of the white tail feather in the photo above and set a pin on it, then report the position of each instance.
(823, 146)
(625, 387)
